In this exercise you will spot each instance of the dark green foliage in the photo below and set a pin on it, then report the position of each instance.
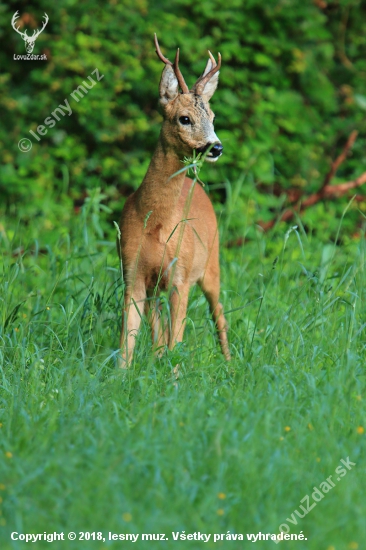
(292, 87)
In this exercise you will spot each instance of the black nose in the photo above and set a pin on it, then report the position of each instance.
(216, 150)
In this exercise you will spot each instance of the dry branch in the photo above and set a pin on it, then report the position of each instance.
(326, 191)
(342, 157)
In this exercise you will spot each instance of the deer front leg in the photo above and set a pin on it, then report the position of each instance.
(131, 319)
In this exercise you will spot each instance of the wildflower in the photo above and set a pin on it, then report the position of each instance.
(287, 429)
(8, 454)
(127, 516)
(360, 430)
(220, 512)
(221, 496)
(311, 427)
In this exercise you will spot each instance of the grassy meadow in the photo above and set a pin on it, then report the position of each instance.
(230, 448)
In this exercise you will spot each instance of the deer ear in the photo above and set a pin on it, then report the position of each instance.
(211, 85)
(168, 86)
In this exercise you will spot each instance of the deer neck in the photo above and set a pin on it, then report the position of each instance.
(159, 192)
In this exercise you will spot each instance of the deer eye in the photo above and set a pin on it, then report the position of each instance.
(184, 120)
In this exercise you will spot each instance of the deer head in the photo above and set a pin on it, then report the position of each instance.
(188, 119)
(29, 40)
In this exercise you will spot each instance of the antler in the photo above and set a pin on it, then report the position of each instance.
(14, 18)
(202, 81)
(37, 33)
(175, 65)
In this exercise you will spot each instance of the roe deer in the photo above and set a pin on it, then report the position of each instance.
(168, 230)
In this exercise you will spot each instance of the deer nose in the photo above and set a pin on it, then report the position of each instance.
(216, 150)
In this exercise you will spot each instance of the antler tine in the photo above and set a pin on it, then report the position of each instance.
(13, 20)
(213, 60)
(179, 75)
(46, 19)
(38, 32)
(201, 82)
(158, 51)
(175, 66)
(15, 17)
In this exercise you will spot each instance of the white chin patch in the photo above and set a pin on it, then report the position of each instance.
(209, 158)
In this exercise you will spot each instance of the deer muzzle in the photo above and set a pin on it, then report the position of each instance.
(214, 150)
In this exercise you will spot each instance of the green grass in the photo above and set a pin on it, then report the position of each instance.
(233, 447)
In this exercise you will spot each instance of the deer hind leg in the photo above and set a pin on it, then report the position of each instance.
(131, 320)
(210, 285)
(159, 329)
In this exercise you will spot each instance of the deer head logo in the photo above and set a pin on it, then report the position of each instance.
(29, 40)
